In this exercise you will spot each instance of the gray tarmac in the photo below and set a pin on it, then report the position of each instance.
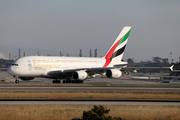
(125, 79)
(94, 84)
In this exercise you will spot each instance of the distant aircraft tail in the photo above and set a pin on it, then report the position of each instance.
(116, 51)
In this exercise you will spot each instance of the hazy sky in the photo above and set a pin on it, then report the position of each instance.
(69, 25)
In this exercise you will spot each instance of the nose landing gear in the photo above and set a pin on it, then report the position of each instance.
(16, 81)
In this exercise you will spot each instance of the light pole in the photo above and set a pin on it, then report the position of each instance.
(170, 57)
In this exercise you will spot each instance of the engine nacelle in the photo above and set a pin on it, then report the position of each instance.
(26, 78)
(113, 73)
(80, 75)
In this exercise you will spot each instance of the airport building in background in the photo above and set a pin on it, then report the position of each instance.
(96, 53)
(80, 53)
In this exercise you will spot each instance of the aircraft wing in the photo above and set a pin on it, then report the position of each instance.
(90, 71)
(133, 69)
(129, 64)
(101, 70)
(138, 68)
(161, 76)
(176, 70)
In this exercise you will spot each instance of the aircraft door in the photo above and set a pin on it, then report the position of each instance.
(25, 67)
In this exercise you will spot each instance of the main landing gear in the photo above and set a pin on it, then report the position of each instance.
(73, 81)
(68, 81)
(56, 81)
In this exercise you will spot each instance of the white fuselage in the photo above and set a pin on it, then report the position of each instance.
(78, 68)
(37, 66)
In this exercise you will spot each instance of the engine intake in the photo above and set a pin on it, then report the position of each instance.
(79, 75)
(113, 73)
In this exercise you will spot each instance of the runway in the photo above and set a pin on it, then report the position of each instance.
(106, 89)
(81, 102)
(41, 84)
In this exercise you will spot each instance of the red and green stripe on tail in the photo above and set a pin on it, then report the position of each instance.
(112, 53)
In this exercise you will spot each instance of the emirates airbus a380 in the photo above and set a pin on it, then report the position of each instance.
(73, 69)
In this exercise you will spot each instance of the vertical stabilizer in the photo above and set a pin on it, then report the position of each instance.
(116, 51)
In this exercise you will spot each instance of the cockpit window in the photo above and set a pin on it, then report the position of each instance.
(14, 64)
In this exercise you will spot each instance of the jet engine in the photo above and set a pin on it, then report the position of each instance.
(80, 75)
(113, 73)
(26, 78)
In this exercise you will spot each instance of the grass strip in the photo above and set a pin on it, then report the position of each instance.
(69, 112)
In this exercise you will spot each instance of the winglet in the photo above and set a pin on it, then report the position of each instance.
(171, 68)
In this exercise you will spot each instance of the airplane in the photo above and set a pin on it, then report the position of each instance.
(74, 69)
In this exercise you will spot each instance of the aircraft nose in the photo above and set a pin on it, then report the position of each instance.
(10, 71)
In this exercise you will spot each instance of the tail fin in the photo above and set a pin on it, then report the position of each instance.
(116, 51)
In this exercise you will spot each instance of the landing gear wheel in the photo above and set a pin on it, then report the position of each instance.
(56, 81)
(17, 81)
(53, 81)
